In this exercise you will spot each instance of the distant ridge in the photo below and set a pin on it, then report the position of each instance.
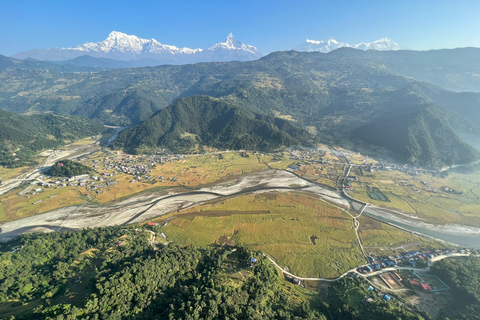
(121, 46)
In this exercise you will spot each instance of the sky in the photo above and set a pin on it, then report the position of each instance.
(268, 25)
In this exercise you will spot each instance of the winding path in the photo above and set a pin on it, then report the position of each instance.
(371, 274)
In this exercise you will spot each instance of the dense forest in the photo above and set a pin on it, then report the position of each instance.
(23, 136)
(463, 277)
(420, 136)
(68, 168)
(117, 273)
(205, 121)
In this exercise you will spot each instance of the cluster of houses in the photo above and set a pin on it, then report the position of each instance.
(139, 167)
(90, 182)
(414, 259)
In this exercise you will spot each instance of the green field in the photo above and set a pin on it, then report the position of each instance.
(284, 225)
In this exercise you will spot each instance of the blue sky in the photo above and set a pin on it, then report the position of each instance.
(268, 25)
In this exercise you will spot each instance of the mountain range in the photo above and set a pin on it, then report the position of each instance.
(144, 52)
(120, 50)
(383, 44)
(339, 97)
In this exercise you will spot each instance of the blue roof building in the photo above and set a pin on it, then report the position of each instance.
(386, 297)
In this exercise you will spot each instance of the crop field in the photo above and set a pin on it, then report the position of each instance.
(309, 236)
(6, 173)
(14, 207)
(380, 238)
(193, 171)
(206, 169)
(424, 195)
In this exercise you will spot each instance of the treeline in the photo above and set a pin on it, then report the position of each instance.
(22, 136)
(463, 277)
(68, 168)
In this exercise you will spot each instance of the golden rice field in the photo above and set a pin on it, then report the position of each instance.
(284, 225)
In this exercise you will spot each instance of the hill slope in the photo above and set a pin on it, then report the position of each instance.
(418, 135)
(332, 93)
(205, 121)
(21, 136)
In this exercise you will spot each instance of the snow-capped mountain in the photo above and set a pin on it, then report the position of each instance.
(121, 46)
(383, 44)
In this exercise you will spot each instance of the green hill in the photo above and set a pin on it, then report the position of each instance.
(198, 121)
(22, 136)
(68, 168)
(333, 94)
(418, 135)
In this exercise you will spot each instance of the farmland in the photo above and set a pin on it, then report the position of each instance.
(309, 236)
(424, 195)
(190, 171)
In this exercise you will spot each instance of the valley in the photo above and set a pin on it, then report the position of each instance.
(126, 189)
(340, 170)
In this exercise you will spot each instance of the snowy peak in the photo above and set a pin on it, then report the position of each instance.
(383, 44)
(233, 44)
(121, 46)
(323, 46)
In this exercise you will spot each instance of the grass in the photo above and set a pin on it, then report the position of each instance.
(284, 232)
(6, 173)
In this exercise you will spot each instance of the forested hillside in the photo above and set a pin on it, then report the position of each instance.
(452, 69)
(117, 273)
(114, 273)
(194, 122)
(68, 168)
(420, 136)
(22, 136)
(463, 276)
(332, 94)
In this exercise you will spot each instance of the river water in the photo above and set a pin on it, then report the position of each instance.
(470, 241)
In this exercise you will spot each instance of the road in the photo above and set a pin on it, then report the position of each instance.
(370, 274)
